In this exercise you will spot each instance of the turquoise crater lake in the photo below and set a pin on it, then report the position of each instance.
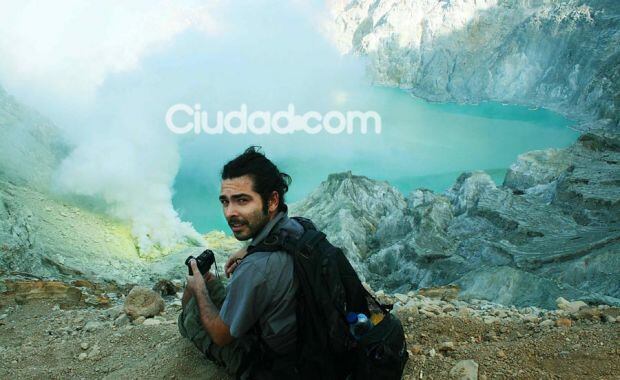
(422, 144)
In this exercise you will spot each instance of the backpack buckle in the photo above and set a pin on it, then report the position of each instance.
(271, 240)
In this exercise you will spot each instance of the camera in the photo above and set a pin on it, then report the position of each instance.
(203, 261)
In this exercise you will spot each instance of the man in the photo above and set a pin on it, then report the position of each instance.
(250, 328)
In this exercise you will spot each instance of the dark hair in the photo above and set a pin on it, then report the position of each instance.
(265, 175)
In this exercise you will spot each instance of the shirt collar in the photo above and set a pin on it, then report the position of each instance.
(277, 220)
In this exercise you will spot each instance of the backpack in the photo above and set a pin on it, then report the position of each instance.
(328, 288)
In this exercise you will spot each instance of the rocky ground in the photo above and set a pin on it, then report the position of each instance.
(47, 332)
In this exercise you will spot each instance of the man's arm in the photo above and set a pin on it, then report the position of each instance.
(209, 313)
(187, 295)
(187, 292)
(211, 321)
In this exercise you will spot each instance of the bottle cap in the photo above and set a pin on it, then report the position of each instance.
(362, 318)
(351, 318)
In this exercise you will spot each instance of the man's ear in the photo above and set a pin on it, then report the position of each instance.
(274, 201)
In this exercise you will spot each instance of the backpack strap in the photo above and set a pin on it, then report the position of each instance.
(308, 240)
(283, 241)
(306, 223)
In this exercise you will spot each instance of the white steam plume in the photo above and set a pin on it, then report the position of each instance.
(58, 54)
(135, 182)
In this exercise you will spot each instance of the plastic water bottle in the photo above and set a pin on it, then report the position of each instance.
(359, 324)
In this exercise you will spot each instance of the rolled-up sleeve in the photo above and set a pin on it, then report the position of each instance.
(246, 299)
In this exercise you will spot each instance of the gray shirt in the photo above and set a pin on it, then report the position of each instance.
(262, 289)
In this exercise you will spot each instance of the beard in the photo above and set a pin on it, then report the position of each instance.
(245, 228)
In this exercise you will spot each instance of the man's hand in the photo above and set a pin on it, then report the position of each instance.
(208, 277)
(233, 261)
(196, 282)
(209, 313)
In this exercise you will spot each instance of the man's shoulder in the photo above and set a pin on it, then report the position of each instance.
(260, 260)
(293, 226)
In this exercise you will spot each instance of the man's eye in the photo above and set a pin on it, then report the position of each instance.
(224, 203)
(243, 201)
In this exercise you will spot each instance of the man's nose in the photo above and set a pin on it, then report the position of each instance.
(230, 211)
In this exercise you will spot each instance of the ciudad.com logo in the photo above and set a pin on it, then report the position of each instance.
(182, 119)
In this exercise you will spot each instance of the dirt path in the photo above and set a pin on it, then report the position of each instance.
(40, 340)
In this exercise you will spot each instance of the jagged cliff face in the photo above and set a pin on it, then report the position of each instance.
(31, 147)
(559, 54)
(552, 229)
(354, 212)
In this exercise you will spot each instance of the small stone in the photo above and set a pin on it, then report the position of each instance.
(113, 312)
(446, 347)
(563, 322)
(3, 316)
(151, 322)
(501, 354)
(547, 323)
(84, 346)
(610, 319)
(412, 309)
(531, 318)
(432, 353)
(490, 320)
(401, 297)
(397, 307)
(448, 308)
(571, 307)
(588, 313)
(92, 326)
(82, 356)
(165, 288)
(416, 349)
(465, 370)
(561, 302)
(139, 320)
(144, 302)
(122, 320)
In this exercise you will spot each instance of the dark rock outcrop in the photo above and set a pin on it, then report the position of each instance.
(552, 229)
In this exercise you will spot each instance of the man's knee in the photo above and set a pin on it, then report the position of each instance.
(181, 325)
(189, 322)
(217, 292)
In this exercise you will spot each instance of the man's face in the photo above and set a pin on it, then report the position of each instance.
(243, 207)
